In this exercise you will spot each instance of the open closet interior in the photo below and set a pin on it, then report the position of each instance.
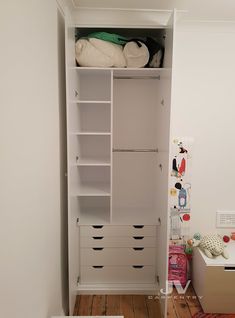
(118, 123)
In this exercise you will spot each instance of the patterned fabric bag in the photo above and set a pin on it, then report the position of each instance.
(177, 265)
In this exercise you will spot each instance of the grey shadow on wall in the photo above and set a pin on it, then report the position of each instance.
(63, 158)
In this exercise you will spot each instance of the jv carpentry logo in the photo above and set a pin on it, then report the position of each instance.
(175, 290)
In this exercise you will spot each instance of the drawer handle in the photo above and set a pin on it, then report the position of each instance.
(138, 237)
(138, 266)
(97, 237)
(138, 248)
(97, 226)
(138, 226)
(96, 266)
(98, 248)
(229, 268)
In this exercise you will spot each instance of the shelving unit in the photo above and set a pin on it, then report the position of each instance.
(118, 122)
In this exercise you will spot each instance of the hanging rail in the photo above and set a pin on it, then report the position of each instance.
(134, 150)
(137, 77)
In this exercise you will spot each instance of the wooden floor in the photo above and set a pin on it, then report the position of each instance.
(136, 306)
(183, 306)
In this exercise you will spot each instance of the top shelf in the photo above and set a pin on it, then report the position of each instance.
(122, 72)
(123, 69)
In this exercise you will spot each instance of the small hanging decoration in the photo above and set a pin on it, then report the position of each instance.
(180, 187)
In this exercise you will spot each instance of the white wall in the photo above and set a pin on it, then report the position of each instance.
(30, 208)
(204, 107)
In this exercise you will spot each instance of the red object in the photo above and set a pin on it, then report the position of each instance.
(186, 217)
(226, 238)
(182, 167)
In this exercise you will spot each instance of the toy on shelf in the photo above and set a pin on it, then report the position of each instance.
(197, 236)
(212, 245)
(232, 236)
(226, 238)
(189, 249)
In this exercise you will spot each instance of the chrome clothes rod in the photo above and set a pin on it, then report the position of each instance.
(134, 150)
(137, 77)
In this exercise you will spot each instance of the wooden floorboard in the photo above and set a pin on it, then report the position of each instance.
(76, 307)
(137, 306)
(171, 312)
(126, 306)
(153, 307)
(181, 305)
(85, 305)
(112, 305)
(192, 301)
(140, 306)
(98, 305)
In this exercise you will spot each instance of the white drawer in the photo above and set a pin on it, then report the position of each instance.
(118, 241)
(117, 274)
(117, 230)
(118, 256)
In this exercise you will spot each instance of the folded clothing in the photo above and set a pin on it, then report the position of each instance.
(102, 49)
(94, 52)
(136, 54)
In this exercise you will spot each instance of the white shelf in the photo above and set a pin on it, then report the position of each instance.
(95, 217)
(90, 133)
(123, 70)
(92, 162)
(89, 101)
(98, 190)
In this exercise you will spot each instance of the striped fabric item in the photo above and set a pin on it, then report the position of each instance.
(202, 315)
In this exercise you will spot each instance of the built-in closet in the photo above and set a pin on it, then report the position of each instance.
(118, 123)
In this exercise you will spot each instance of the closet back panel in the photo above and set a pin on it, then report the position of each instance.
(89, 176)
(134, 188)
(90, 85)
(91, 210)
(135, 113)
(89, 147)
(89, 117)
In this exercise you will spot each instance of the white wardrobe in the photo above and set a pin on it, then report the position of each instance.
(118, 123)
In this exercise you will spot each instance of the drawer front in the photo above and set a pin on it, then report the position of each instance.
(117, 274)
(118, 230)
(117, 241)
(117, 256)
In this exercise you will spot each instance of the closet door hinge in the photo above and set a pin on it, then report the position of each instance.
(77, 221)
(159, 221)
(158, 280)
(78, 280)
(163, 102)
(75, 93)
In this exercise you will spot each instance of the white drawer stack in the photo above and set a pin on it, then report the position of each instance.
(117, 254)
